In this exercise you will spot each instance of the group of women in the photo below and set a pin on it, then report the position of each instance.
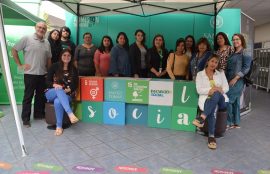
(218, 74)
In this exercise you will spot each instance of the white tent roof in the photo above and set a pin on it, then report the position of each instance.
(139, 7)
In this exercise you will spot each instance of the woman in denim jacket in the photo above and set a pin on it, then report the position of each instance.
(238, 66)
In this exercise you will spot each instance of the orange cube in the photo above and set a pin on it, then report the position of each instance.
(92, 88)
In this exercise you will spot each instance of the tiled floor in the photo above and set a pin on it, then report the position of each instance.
(245, 150)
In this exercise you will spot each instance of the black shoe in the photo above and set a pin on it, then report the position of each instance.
(199, 122)
(26, 124)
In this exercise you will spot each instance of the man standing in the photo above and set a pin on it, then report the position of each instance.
(65, 40)
(37, 58)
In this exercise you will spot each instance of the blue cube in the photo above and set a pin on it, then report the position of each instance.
(136, 114)
(114, 113)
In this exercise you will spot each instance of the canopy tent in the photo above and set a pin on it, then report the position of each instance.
(12, 14)
(142, 8)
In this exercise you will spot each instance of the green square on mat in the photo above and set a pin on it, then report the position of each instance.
(92, 112)
(159, 116)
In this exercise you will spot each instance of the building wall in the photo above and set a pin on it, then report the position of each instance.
(262, 33)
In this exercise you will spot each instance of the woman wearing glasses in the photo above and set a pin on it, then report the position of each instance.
(238, 66)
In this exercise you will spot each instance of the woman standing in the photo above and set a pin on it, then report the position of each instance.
(203, 52)
(223, 49)
(212, 87)
(62, 80)
(238, 66)
(119, 63)
(190, 45)
(137, 55)
(55, 43)
(102, 57)
(157, 58)
(84, 56)
(178, 62)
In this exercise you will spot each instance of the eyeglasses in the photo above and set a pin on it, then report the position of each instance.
(43, 28)
(236, 39)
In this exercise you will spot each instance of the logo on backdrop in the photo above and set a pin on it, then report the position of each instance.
(159, 120)
(112, 113)
(87, 21)
(183, 119)
(114, 85)
(92, 111)
(94, 92)
(219, 21)
(134, 114)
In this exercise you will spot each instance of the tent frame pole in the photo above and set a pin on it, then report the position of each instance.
(215, 22)
(8, 81)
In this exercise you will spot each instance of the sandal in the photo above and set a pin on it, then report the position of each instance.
(58, 131)
(236, 126)
(73, 119)
(212, 143)
(198, 122)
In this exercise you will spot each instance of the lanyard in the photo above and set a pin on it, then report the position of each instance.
(161, 56)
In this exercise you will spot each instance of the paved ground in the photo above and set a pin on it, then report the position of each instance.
(245, 150)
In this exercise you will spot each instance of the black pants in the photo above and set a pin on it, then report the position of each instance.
(34, 84)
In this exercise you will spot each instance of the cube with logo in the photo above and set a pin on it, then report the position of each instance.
(185, 94)
(137, 91)
(92, 112)
(115, 89)
(114, 113)
(91, 88)
(136, 114)
(182, 118)
(159, 116)
(77, 109)
(161, 93)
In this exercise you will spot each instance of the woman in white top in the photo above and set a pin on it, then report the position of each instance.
(211, 86)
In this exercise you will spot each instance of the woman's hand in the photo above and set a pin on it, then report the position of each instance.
(212, 90)
(56, 86)
(67, 90)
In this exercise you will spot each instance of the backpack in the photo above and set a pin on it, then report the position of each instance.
(253, 73)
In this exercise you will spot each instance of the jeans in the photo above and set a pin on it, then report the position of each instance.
(234, 95)
(61, 103)
(34, 84)
(210, 105)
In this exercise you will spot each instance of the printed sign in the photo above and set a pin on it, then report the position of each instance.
(223, 171)
(182, 118)
(174, 171)
(136, 114)
(159, 116)
(5, 166)
(131, 169)
(137, 91)
(185, 94)
(42, 166)
(91, 88)
(114, 113)
(32, 172)
(161, 93)
(115, 89)
(263, 172)
(92, 112)
(87, 168)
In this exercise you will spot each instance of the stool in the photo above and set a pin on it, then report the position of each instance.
(221, 124)
(51, 118)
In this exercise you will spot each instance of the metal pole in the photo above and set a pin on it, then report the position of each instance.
(78, 24)
(8, 81)
(215, 21)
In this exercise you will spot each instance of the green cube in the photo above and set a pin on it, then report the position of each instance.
(159, 116)
(185, 94)
(92, 112)
(182, 118)
(137, 91)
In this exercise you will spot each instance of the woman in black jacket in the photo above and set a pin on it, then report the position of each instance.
(137, 55)
(54, 39)
(62, 80)
(157, 58)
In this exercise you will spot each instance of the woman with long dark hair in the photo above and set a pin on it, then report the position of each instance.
(102, 57)
(119, 63)
(137, 55)
(62, 80)
(223, 49)
(190, 45)
(54, 39)
(238, 66)
(157, 58)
